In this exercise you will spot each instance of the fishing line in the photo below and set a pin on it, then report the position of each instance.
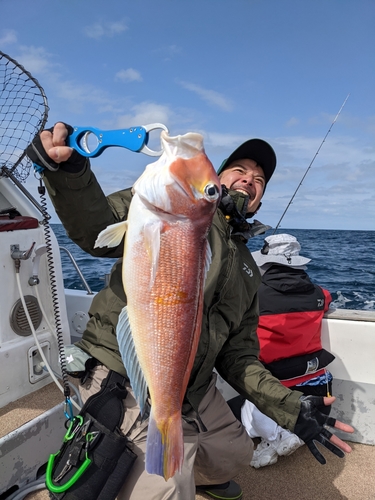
(312, 161)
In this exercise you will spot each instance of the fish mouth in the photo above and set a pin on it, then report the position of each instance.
(166, 215)
(150, 206)
(181, 186)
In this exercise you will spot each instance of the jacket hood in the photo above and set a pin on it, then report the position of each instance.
(286, 279)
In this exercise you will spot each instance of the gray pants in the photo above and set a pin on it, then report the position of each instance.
(210, 457)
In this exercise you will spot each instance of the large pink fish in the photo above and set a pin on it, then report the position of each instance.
(165, 262)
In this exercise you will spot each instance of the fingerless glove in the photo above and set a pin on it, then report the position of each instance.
(311, 426)
(37, 154)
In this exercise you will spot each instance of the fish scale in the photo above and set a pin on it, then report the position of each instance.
(166, 316)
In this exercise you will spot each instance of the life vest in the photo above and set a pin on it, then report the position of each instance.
(291, 310)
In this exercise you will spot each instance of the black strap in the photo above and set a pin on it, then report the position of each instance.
(297, 366)
(106, 405)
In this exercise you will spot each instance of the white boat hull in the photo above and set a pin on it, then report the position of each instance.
(350, 336)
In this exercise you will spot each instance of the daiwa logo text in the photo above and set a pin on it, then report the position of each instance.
(247, 270)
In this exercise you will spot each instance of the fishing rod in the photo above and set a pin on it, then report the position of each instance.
(312, 161)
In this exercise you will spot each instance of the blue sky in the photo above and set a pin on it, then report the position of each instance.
(229, 69)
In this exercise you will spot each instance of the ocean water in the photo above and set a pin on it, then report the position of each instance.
(343, 262)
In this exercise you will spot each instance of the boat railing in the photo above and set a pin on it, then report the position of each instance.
(82, 278)
(343, 314)
(351, 314)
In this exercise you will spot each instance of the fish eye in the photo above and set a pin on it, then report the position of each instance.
(211, 192)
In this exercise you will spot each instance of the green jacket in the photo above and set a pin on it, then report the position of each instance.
(228, 339)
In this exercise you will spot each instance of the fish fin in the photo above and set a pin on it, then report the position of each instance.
(151, 234)
(208, 258)
(130, 359)
(165, 448)
(112, 235)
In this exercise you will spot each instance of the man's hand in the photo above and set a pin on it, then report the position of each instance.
(48, 150)
(312, 426)
(53, 142)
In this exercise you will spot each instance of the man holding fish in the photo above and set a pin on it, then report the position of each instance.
(181, 301)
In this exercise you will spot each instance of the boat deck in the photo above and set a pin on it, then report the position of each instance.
(298, 476)
(301, 477)
(15, 414)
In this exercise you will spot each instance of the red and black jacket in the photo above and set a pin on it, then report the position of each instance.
(291, 309)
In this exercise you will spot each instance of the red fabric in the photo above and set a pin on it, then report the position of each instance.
(290, 334)
(285, 335)
(18, 222)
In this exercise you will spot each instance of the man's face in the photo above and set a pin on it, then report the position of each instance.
(247, 177)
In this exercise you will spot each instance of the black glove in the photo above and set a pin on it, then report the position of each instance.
(37, 154)
(311, 426)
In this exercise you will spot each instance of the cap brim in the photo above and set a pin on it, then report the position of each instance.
(294, 260)
(254, 149)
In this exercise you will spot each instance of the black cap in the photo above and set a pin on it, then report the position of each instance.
(254, 149)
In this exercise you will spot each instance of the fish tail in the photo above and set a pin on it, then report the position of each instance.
(165, 448)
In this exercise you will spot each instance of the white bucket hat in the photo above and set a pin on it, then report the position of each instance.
(280, 249)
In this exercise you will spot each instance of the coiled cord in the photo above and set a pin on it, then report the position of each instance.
(55, 298)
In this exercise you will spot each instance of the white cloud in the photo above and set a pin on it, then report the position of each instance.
(292, 122)
(210, 96)
(8, 37)
(336, 188)
(335, 149)
(87, 99)
(128, 75)
(105, 29)
(73, 94)
(362, 124)
(35, 59)
(224, 141)
(145, 113)
(172, 49)
(168, 51)
(79, 94)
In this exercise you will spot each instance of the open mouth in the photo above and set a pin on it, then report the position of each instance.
(239, 190)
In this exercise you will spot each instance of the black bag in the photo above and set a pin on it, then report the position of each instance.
(95, 458)
(296, 366)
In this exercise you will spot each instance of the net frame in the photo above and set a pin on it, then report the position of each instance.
(23, 114)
